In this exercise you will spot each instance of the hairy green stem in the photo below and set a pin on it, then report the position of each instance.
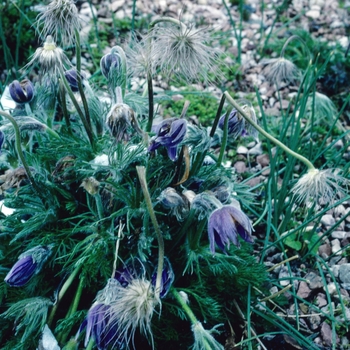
(224, 139)
(91, 344)
(150, 101)
(62, 292)
(19, 149)
(296, 155)
(122, 56)
(80, 84)
(62, 94)
(74, 307)
(218, 115)
(77, 107)
(141, 172)
(189, 312)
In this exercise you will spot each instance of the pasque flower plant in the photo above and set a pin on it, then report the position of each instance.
(142, 220)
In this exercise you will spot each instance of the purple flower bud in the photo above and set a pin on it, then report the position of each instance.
(29, 264)
(72, 78)
(110, 62)
(224, 226)
(22, 92)
(2, 139)
(235, 124)
(169, 133)
(167, 278)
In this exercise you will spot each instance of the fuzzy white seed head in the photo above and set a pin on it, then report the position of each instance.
(203, 338)
(134, 308)
(185, 52)
(50, 57)
(280, 71)
(60, 19)
(320, 187)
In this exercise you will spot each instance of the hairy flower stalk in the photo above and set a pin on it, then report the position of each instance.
(141, 172)
(281, 70)
(314, 186)
(19, 150)
(203, 340)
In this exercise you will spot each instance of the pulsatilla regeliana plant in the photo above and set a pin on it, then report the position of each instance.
(130, 223)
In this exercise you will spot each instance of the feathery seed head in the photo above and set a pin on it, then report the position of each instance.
(133, 309)
(60, 18)
(280, 71)
(184, 51)
(50, 57)
(320, 187)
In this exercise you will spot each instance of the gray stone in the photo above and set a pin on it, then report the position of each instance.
(283, 274)
(325, 250)
(303, 291)
(242, 150)
(263, 160)
(338, 234)
(326, 334)
(314, 280)
(314, 321)
(321, 300)
(240, 167)
(336, 248)
(344, 273)
(256, 150)
(328, 220)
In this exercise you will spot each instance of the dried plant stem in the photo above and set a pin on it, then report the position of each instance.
(251, 328)
(141, 172)
(283, 262)
(296, 155)
(277, 294)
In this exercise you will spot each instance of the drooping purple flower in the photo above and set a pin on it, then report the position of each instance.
(169, 133)
(168, 277)
(224, 226)
(100, 323)
(235, 126)
(21, 92)
(98, 326)
(2, 139)
(72, 78)
(29, 263)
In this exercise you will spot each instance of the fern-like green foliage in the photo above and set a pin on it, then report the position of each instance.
(29, 316)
